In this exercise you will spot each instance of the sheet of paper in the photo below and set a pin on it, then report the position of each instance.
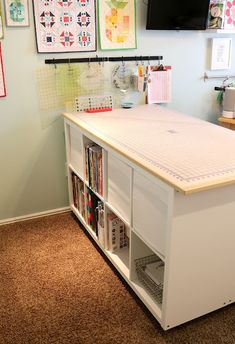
(159, 86)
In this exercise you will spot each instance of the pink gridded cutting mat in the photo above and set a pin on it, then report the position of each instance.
(183, 150)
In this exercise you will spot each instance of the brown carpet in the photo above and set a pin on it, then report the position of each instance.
(56, 287)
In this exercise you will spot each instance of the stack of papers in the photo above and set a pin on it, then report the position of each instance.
(156, 272)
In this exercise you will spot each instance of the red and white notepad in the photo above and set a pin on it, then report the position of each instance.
(159, 86)
(2, 79)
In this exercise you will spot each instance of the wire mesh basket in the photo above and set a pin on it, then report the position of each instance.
(154, 289)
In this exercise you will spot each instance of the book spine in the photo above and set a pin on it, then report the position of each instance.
(100, 173)
(74, 190)
(87, 162)
(90, 159)
(101, 224)
(77, 192)
(89, 206)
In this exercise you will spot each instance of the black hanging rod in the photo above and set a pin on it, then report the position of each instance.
(104, 59)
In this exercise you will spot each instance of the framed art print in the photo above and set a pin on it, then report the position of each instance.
(65, 26)
(221, 53)
(1, 23)
(2, 79)
(117, 24)
(17, 12)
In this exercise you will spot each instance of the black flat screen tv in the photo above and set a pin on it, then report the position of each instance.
(177, 14)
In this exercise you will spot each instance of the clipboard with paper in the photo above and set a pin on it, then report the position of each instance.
(159, 85)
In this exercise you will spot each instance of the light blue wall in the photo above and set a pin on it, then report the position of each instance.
(32, 156)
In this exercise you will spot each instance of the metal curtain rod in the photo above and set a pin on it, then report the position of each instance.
(225, 77)
(104, 59)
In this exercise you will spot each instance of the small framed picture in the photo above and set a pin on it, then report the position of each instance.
(2, 79)
(17, 12)
(221, 51)
(1, 23)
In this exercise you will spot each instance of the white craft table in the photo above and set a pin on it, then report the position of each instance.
(171, 179)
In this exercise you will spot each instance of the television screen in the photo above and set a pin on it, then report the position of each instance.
(177, 14)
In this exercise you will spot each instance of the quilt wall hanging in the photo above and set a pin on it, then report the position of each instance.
(2, 80)
(117, 24)
(17, 12)
(65, 26)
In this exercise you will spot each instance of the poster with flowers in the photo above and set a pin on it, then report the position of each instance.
(17, 12)
(2, 80)
(65, 25)
(117, 24)
(229, 17)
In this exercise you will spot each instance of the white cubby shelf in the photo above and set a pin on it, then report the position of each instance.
(163, 242)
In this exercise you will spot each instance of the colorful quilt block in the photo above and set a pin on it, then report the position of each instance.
(65, 26)
(117, 24)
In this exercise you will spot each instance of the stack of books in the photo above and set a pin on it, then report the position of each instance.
(94, 167)
(78, 194)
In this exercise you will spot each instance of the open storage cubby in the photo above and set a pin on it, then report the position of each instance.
(147, 269)
(78, 193)
(94, 166)
(117, 234)
(93, 210)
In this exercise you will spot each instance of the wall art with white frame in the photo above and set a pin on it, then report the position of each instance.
(221, 53)
(17, 12)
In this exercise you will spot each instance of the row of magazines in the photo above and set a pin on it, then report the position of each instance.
(113, 235)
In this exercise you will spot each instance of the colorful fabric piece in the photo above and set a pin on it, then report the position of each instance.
(17, 12)
(2, 80)
(117, 24)
(65, 26)
(229, 17)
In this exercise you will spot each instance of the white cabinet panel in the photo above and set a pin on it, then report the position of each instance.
(119, 186)
(76, 148)
(150, 212)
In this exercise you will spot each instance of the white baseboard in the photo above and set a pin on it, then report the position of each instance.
(34, 216)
